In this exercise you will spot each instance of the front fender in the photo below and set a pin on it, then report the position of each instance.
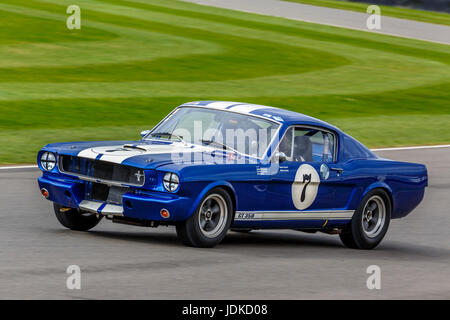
(209, 187)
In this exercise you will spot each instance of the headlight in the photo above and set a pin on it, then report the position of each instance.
(48, 161)
(171, 182)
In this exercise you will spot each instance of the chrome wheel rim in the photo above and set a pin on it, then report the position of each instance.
(373, 217)
(212, 216)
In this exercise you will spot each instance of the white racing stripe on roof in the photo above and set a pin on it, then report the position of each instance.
(220, 104)
(247, 108)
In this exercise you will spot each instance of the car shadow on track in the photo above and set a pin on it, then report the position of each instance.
(233, 239)
(252, 239)
(164, 238)
(285, 243)
(277, 239)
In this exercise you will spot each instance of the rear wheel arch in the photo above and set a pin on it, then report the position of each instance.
(379, 186)
(368, 226)
(389, 194)
(386, 192)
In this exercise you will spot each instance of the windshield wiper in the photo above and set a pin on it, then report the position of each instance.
(170, 135)
(224, 146)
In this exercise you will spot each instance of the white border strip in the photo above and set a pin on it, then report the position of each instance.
(18, 167)
(413, 148)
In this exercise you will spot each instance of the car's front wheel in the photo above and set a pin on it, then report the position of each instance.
(74, 219)
(370, 221)
(210, 222)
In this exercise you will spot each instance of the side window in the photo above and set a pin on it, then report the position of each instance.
(285, 145)
(308, 145)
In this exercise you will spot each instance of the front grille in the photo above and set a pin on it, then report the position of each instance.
(99, 192)
(105, 193)
(101, 170)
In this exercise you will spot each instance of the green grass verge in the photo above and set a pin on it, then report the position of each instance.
(391, 11)
(134, 61)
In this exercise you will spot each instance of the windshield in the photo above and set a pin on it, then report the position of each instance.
(221, 129)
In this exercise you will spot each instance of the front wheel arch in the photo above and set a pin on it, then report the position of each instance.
(216, 184)
(193, 232)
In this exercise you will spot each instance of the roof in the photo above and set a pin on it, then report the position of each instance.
(271, 113)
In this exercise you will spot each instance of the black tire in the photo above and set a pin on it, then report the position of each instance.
(74, 219)
(364, 231)
(194, 233)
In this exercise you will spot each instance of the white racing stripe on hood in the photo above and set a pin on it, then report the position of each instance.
(87, 153)
(118, 154)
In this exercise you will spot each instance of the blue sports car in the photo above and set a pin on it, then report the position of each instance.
(211, 166)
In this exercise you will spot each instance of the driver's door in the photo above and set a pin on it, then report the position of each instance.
(310, 178)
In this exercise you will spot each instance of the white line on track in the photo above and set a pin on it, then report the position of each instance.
(18, 167)
(413, 148)
(380, 149)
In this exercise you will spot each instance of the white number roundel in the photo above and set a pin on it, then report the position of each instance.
(305, 186)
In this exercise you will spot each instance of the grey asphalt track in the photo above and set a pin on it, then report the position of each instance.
(119, 261)
(336, 17)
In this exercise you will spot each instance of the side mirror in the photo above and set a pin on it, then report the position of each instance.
(144, 133)
(279, 157)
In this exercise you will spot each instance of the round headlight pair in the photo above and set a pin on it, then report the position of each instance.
(48, 161)
(171, 182)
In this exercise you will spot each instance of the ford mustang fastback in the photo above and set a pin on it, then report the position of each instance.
(212, 166)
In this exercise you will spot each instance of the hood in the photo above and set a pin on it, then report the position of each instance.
(143, 154)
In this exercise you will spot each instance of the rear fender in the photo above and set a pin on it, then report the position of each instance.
(378, 185)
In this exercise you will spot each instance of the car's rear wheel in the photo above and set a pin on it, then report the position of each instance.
(74, 219)
(210, 222)
(370, 221)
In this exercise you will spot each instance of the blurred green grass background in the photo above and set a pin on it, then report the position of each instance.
(134, 61)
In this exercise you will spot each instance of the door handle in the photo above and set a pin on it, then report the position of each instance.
(338, 170)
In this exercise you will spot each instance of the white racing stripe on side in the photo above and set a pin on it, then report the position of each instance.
(293, 215)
